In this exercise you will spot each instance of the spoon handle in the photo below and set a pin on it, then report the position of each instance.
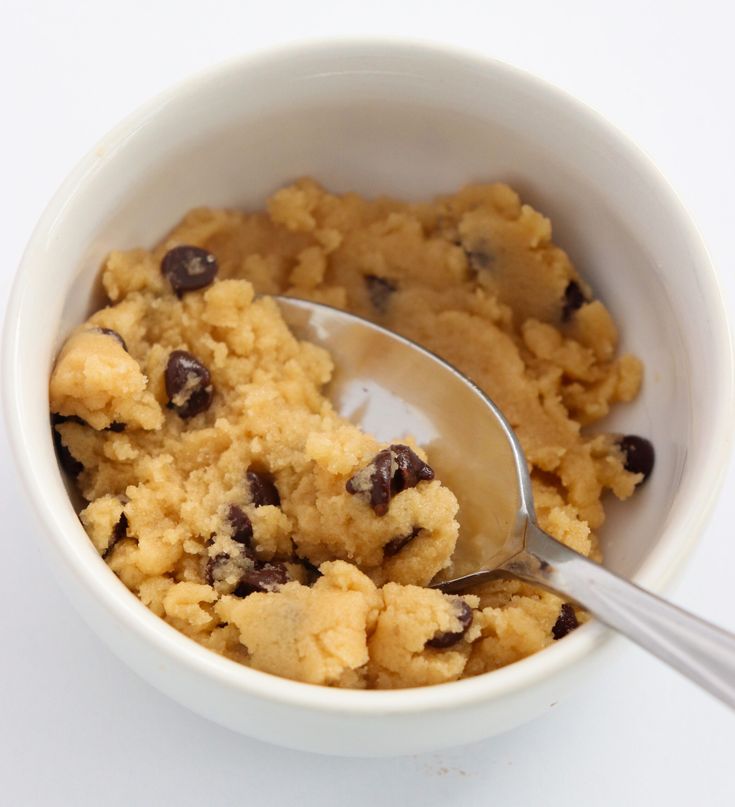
(701, 651)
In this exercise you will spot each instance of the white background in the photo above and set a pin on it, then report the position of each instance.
(76, 727)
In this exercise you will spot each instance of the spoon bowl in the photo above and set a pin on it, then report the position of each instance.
(394, 388)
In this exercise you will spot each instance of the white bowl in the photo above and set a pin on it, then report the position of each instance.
(409, 120)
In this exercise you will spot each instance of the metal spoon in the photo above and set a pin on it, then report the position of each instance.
(391, 387)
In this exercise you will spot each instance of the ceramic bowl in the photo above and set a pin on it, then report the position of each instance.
(410, 120)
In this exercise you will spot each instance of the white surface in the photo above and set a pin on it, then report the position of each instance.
(75, 723)
(440, 119)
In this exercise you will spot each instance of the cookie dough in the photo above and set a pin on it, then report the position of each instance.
(225, 492)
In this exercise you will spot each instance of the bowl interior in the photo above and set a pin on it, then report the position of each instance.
(414, 124)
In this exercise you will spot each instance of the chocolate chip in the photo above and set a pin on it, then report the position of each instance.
(574, 299)
(188, 268)
(225, 569)
(188, 384)
(218, 568)
(118, 533)
(380, 290)
(121, 528)
(410, 469)
(639, 455)
(263, 577)
(263, 490)
(391, 471)
(69, 463)
(242, 528)
(479, 259)
(395, 545)
(312, 571)
(113, 427)
(114, 334)
(463, 612)
(373, 482)
(565, 623)
(479, 255)
(57, 418)
(238, 571)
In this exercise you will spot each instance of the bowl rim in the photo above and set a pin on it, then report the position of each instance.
(89, 570)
